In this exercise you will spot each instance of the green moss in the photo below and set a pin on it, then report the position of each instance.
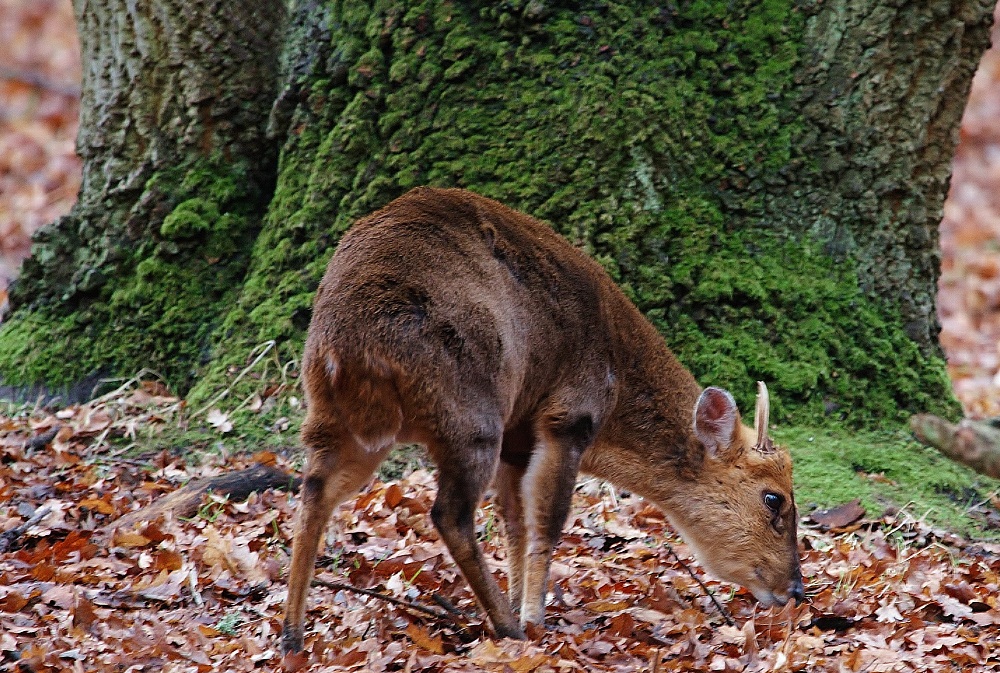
(885, 470)
(655, 138)
(162, 309)
(188, 219)
(751, 307)
(641, 135)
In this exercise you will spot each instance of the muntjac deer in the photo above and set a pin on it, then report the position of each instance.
(450, 320)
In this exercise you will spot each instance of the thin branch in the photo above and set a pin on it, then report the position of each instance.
(8, 537)
(718, 606)
(449, 606)
(408, 605)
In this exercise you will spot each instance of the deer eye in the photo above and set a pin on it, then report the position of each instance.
(773, 502)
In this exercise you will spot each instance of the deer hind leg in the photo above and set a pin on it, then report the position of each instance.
(511, 507)
(466, 469)
(548, 492)
(337, 468)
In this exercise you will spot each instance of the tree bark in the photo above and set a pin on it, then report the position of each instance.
(764, 179)
(177, 171)
(972, 443)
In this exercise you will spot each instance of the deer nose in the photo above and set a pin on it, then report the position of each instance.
(798, 591)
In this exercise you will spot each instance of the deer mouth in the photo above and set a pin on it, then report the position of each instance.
(765, 596)
(768, 598)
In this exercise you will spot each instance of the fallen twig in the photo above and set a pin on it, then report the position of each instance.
(237, 484)
(442, 615)
(8, 537)
(718, 606)
(972, 443)
(449, 606)
(42, 440)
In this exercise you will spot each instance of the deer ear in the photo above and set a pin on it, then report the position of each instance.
(716, 420)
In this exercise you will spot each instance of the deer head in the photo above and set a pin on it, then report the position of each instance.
(739, 514)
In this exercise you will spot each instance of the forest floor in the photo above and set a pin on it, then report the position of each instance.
(889, 591)
(204, 591)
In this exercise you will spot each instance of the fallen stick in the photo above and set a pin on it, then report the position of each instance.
(718, 606)
(972, 443)
(7, 538)
(442, 615)
(237, 485)
(449, 606)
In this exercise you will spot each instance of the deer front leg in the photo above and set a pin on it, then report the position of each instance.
(548, 492)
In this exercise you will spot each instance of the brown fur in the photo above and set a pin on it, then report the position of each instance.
(453, 321)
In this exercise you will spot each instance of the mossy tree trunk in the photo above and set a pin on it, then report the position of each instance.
(763, 177)
(177, 173)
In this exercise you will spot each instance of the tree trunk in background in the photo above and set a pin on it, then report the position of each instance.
(764, 179)
(177, 172)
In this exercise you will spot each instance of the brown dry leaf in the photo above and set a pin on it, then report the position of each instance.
(621, 626)
(393, 496)
(14, 601)
(217, 551)
(265, 458)
(606, 605)
(97, 505)
(130, 539)
(531, 662)
(167, 559)
(840, 516)
(84, 614)
(422, 638)
(168, 591)
(294, 661)
(43, 572)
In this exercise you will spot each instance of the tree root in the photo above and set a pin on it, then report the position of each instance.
(186, 500)
(972, 443)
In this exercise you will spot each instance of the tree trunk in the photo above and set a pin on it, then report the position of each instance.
(764, 179)
(177, 172)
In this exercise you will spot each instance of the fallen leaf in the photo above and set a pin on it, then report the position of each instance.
(840, 516)
(97, 505)
(607, 605)
(130, 539)
(422, 638)
(219, 420)
(393, 496)
(84, 615)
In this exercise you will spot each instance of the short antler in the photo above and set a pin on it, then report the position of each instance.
(764, 443)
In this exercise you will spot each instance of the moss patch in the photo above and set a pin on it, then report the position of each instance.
(161, 310)
(750, 307)
(832, 467)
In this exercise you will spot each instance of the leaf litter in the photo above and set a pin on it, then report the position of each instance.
(206, 592)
